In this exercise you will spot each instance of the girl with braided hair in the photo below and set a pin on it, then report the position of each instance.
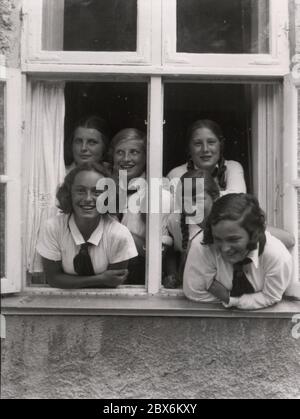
(182, 227)
(205, 142)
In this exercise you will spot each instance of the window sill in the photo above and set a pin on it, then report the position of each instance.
(143, 305)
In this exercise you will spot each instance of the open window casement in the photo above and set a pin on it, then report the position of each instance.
(247, 37)
(10, 179)
(87, 32)
(291, 179)
(274, 156)
(267, 152)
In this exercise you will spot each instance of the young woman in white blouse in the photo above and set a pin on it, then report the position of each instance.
(205, 151)
(238, 262)
(82, 248)
(128, 153)
(181, 229)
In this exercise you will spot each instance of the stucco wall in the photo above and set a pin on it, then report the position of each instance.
(117, 357)
(10, 29)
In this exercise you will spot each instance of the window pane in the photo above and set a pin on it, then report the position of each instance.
(182, 109)
(215, 26)
(121, 105)
(108, 108)
(2, 186)
(89, 25)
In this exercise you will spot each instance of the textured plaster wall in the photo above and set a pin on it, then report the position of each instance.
(111, 357)
(297, 43)
(117, 357)
(10, 29)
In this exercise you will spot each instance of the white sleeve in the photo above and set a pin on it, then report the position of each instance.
(235, 180)
(277, 279)
(121, 246)
(48, 245)
(167, 208)
(171, 174)
(167, 238)
(199, 273)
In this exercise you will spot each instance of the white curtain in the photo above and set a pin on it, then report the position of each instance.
(44, 154)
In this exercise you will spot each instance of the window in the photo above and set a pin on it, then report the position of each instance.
(231, 27)
(240, 34)
(73, 31)
(10, 191)
(89, 25)
(159, 75)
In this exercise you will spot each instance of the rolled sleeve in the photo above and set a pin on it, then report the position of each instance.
(48, 242)
(199, 273)
(122, 246)
(235, 179)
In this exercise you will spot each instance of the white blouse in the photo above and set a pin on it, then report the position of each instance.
(60, 240)
(174, 229)
(270, 274)
(134, 220)
(234, 176)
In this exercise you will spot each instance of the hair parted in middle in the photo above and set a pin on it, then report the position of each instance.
(64, 192)
(243, 208)
(217, 131)
(93, 122)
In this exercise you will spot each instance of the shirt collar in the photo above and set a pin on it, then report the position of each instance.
(253, 255)
(95, 238)
(194, 230)
(132, 181)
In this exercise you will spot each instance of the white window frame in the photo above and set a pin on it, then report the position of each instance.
(277, 67)
(291, 179)
(271, 148)
(33, 53)
(276, 62)
(12, 282)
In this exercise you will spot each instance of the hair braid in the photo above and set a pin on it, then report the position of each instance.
(184, 231)
(190, 165)
(221, 173)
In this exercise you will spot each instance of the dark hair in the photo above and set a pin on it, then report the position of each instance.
(64, 192)
(210, 188)
(217, 131)
(243, 208)
(127, 134)
(91, 122)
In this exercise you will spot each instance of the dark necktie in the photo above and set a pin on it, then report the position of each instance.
(240, 283)
(119, 215)
(82, 261)
(131, 191)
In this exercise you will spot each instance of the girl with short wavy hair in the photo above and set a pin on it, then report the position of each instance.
(238, 263)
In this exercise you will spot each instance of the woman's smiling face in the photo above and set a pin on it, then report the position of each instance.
(205, 149)
(85, 194)
(130, 155)
(231, 240)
